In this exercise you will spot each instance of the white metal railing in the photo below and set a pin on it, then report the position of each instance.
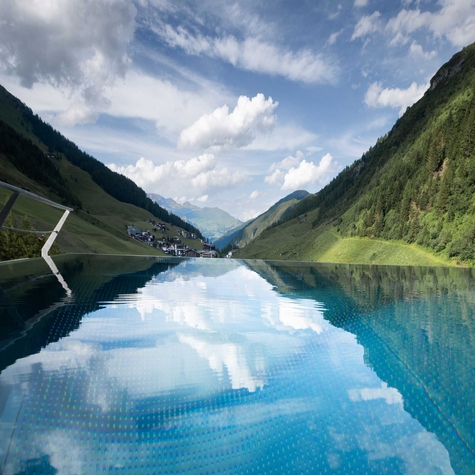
(16, 192)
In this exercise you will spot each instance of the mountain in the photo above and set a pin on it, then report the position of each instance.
(35, 156)
(213, 222)
(246, 232)
(409, 199)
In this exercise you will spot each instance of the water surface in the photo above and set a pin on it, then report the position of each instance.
(222, 366)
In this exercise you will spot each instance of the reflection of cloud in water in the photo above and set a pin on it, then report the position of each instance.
(212, 305)
(225, 354)
(145, 372)
(65, 454)
(296, 314)
(430, 458)
(390, 395)
(198, 338)
(68, 353)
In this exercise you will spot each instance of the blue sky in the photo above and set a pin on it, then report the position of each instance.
(229, 104)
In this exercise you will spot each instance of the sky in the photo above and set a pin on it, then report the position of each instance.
(221, 103)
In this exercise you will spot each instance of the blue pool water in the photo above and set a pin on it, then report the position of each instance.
(154, 366)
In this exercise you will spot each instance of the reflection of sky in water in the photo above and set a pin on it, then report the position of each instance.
(199, 372)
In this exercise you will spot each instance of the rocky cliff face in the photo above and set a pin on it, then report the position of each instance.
(447, 71)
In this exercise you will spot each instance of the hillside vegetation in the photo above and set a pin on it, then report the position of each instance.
(246, 232)
(415, 187)
(36, 157)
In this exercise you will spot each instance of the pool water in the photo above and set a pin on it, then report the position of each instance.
(168, 366)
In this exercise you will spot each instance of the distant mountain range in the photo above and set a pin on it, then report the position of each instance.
(246, 232)
(212, 222)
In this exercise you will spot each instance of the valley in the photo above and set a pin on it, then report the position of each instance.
(409, 200)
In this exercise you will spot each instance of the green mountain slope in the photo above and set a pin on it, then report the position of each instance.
(99, 220)
(415, 187)
(212, 222)
(246, 232)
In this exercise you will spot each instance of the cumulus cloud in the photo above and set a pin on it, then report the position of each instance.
(78, 45)
(288, 162)
(360, 3)
(182, 177)
(255, 194)
(275, 177)
(253, 54)
(307, 173)
(293, 173)
(396, 98)
(224, 129)
(455, 20)
(366, 25)
(418, 52)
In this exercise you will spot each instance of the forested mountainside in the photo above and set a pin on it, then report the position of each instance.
(416, 185)
(246, 232)
(24, 137)
(50, 165)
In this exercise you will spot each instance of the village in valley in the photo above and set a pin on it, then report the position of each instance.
(172, 245)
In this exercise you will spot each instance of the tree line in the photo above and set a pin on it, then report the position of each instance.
(417, 183)
(33, 163)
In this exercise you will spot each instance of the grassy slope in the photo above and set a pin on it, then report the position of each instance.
(102, 230)
(294, 241)
(100, 226)
(256, 227)
(342, 232)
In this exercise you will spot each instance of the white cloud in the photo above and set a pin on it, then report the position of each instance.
(275, 177)
(360, 3)
(418, 52)
(336, 14)
(294, 173)
(283, 137)
(202, 199)
(333, 37)
(455, 21)
(396, 98)
(288, 162)
(181, 178)
(399, 39)
(366, 25)
(171, 106)
(80, 45)
(253, 54)
(307, 173)
(255, 194)
(77, 113)
(222, 129)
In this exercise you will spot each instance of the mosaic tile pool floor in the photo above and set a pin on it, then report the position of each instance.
(235, 367)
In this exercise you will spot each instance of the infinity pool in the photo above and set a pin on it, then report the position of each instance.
(166, 366)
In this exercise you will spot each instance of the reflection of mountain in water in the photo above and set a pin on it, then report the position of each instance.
(33, 310)
(417, 327)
